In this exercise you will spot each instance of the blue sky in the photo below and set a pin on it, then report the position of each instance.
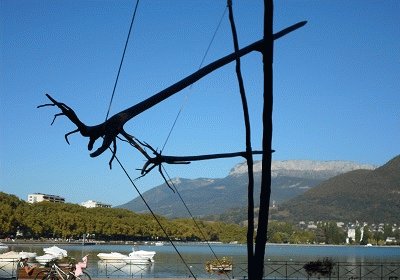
(336, 87)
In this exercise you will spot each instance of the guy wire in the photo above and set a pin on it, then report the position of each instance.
(190, 87)
(120, 163)
(122, 59)
(154, 216)
(194, 220)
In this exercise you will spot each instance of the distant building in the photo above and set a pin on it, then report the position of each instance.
(312, 227)
(94, 204)
(390, 240)
(340, 224)
(39, 197)
(351, 234)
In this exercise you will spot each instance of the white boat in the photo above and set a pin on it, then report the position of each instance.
(159, 243)
(10, 256)
(135, 257)
(27, 255)
(140, 257)
(113, 256)
(51, 254)
(45, 259)
(56, 251)
(3, 246)
(143, 253)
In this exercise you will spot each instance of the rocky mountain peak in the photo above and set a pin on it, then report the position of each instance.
(283, 167)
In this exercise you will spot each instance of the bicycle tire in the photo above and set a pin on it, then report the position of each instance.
(42, 274)
(83, 276)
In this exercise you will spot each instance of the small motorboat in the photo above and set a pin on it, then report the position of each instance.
(51, 254)
(10, 256)
(135, 257)
(45, 259)
(140, 257)
(113, 256)
(27, 255)
(3, 246)
(13, 256)
(56, 251)
(143, 253)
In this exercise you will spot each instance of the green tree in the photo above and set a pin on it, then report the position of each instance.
(358, 235)
(333, 234)
(367, 235)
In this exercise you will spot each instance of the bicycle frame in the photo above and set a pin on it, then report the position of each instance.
(55, 269)
(57, 273)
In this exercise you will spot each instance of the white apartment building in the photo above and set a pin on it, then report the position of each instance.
(94, 204)
(39, 197)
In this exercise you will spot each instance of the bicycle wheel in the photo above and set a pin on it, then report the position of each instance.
(83, 276)
(43, 274)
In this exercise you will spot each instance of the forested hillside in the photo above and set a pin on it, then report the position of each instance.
(209, 197)
(364, 195)
(64, 220)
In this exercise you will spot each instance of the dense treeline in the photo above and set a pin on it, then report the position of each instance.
(71, 221)
(64, 220)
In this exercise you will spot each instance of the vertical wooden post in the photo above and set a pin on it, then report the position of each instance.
(265, 194)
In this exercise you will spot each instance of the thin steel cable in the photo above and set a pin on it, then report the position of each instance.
(190, 87)
(122, 59)
(172, 128)
(194, 220)
(120, 163)
(154, 216)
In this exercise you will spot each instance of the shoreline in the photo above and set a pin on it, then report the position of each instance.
(151, 243)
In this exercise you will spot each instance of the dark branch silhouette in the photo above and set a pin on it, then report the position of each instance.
(249, 154)
(111, 128)
(159, 159)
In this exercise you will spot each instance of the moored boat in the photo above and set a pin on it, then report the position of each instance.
(140, 257)
(134, 257)
(113, 256)
(51, 254)
(143, 254)
(10, 256)
(45, 259)
(3, 246)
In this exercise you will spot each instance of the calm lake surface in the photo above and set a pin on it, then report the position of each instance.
(168, 263)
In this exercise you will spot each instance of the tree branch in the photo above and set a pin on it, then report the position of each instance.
(159, 159)
(111, 128)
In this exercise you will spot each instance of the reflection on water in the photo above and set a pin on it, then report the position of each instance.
(120, 268)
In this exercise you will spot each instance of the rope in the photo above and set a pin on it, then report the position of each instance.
(190, 87)
(122, 59)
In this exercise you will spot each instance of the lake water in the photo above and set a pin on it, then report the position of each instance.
(168, 263)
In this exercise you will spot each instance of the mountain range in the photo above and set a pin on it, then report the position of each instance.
(206, 196)
(364, 195)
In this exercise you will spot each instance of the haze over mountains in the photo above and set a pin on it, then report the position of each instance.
(205, 196)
